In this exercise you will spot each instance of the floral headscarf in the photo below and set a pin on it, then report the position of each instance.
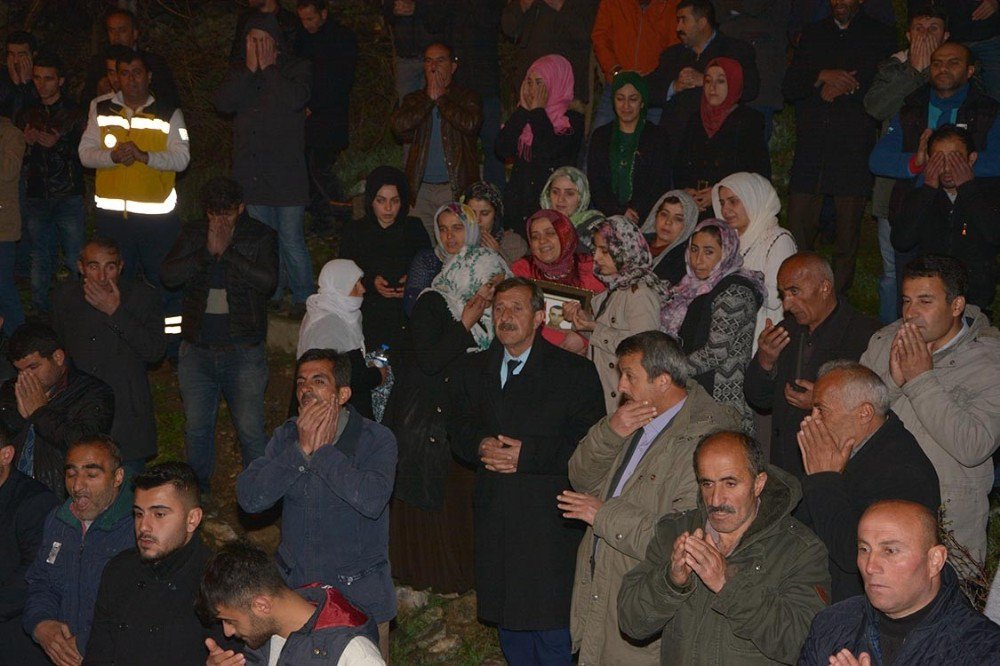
(691, 287)
(583, 217)
(630, 252)
(468, 218)
(565, 269)
(557, 73)
(459, 280)
(490, 193)
(690, 220)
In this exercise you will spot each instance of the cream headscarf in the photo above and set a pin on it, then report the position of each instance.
(333, 317)
(459, 280)
(690, 220)
(760, 201)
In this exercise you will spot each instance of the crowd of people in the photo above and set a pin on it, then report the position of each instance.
(568, 357)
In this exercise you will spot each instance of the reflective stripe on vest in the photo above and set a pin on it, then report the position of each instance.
(142, 207)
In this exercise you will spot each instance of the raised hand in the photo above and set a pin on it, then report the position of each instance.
(821, 450)
(770, 342)
(631, 416)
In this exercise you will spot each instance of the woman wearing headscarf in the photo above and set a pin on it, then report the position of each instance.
(568, 192)
(628, 163)
(713, 311)
(333, 320)
(554, 258)
(430, 543)
(486, 202)
(667, 229)
(455, 227)
(722, 137)
(383, 244)
(749, 204)
(542, 134)
(630, 305)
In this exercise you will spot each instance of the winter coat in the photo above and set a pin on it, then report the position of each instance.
(11, 152)
(890, 465)
(54, 172)
(524, 547)
(954, 412)
(777, 580)
(844, 334)
(251, 263)
(335, 515)
(24, 504)
(952, 633)
(65, 576)
(633, 36)
(651, 175)
(474, 32)
(762, 25)
(117, 350)
(663, 482)
(738, 146)
(333, 53)
(145, 611)
(834, 139)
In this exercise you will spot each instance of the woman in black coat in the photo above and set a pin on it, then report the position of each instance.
(383, 244)
(628, 163)
(722, 138)
(541, 135)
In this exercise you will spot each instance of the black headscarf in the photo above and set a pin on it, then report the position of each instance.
(380, 177)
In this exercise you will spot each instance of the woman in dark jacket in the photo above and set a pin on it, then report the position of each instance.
(713, 310)
(539, 136)
(382, 244)
(667, 230)
(723, 137)
(628, 164)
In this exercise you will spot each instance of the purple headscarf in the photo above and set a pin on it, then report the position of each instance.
(630, 252)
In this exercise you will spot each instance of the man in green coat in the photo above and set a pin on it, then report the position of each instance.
(736, 581)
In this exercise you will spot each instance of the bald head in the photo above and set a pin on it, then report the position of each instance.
(918, 521)
(805, 284)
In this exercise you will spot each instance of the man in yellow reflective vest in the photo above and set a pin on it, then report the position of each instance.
(137, 145)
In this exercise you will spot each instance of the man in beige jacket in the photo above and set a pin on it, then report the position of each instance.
(632, 468)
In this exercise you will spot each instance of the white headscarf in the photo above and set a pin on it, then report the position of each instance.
(333, 317)
(460, 279)
(690, 209)
(760, 201)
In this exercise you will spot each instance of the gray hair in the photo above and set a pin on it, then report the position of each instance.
(661, 354)
(859, 385)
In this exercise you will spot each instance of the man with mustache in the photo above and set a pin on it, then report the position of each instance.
(145, 604)
(79, 538)
(940, 362)
(737, 580)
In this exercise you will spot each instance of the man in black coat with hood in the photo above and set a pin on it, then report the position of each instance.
(526, 405)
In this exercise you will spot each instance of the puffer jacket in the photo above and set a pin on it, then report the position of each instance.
(777, 581)
(663, 482)
(954, 412)
(54, 172)
(952, 633)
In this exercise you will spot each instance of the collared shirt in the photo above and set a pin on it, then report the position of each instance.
(523, 358)
(670, 91)
(650, 432)
(958, 336)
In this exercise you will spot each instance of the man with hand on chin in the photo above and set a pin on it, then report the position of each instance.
(334, 471)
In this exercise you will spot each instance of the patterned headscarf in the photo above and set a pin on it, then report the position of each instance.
(490, 193)
(691, 287)
(565, 269)
(557, 73)
(630, 252)
(459, 280)
(468, 218)
(583, 216)
(690, 220)
(624, 146)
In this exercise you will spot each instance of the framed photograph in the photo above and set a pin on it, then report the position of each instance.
(556, 296)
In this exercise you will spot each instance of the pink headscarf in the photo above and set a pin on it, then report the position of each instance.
(557, 74)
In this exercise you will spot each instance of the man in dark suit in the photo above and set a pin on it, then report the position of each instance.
(525, 405)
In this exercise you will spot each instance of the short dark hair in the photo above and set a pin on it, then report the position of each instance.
(537, 297)
(339, 364)
(661, 354)
(131, 56)
(103, 242)
(700, 9)
(32, 337)
(445, 45)
(178, 474)
(122, 12)
(220, 195)
(236, 574)
(22, 37)
(101, 441)
(970, 57)
(6, 435)
(50, 59)
(318, 5)
(949, 131)
(116, 52)
(929, 10)
(950, 270)
(751, 448)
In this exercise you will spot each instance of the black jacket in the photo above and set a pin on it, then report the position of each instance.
(333, 52)
(251, 263)
(145, 610)
(890, 465)
(952, 633)
(966, 229)
(24, 504)
(86, 406)
(412, 34)
(651, 175)
(525, 551)
(738, 146)
(834, 139)
(473, 30)
(117, 350)
(844, 334)
(53, 172)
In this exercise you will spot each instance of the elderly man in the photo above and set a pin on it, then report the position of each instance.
(856, 452)
(630, 469)
(739, 568)
(527, 404)
(819, 327)
(913, 611)
(940, 362)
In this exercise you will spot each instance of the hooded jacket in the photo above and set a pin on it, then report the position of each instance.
(777, 580)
